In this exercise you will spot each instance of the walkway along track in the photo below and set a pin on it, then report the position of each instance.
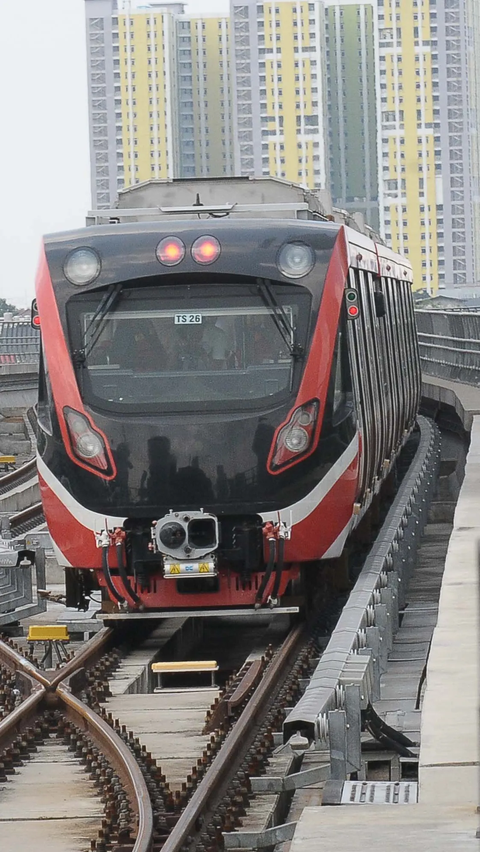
(375, 596)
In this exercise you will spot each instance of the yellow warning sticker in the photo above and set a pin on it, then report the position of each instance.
(204, 568)
(174, 569)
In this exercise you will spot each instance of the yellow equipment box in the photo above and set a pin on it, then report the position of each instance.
(7, 460)
(48, 633)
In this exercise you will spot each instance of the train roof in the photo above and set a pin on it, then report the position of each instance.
(171, 225)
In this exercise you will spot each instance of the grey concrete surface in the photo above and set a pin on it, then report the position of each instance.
(49, 805)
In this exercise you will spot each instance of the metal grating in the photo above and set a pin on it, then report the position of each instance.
(18, 589)
(379, 793)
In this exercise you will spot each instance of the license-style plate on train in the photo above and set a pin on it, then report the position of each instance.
(174, 570)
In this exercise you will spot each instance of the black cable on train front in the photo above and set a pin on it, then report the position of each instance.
(279, 568)
(268, 572)
(123, 574)
(108, 577)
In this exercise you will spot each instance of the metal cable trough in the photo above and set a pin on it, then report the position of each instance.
(347, 678)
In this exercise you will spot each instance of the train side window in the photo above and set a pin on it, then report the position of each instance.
(45, 397)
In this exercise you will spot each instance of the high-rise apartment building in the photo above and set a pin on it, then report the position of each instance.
(160, 95)
(376, 100)
(473, 29)
(408, 59)
(104, 95)
(351, 30)
(429, 137)
(278, 57)
(204, 96)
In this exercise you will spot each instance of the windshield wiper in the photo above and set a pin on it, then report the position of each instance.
(95, 326)
(280, 317)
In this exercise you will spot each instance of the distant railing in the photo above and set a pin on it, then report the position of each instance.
(19, 343)
(449, 344)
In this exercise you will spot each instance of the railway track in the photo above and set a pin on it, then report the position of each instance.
(50, 706)
(26, 520)
(277, 699)
(31, 516)
(23, 474)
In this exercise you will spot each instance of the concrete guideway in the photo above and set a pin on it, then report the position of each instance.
(445, 818)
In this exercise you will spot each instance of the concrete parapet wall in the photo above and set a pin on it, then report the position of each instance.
(464, 399)
(25, 370)
(22, 497)
(21, 397)
(449, 755)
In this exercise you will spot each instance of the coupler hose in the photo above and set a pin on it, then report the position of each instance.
(278, 570)
(268, 573)
(123, 574)
(108, 577)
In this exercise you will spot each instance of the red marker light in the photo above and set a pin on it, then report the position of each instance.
(170, 251)
(352, 311)
(206, 250)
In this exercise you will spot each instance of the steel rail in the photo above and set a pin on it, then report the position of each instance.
(13, 660)
(108, 742)
(90, 652)
(209, 788)
(120, 755)
(27, 514)
(252, 673)
(17, 477)
(22, 716)
(249, 680)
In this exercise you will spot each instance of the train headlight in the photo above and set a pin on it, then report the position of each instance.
(206, 250)
(87, 445)
(295, 439)
(82, 266)
(170, 251)
(296, 260)
(173, 535)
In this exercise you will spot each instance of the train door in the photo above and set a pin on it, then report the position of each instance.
(398, 366)
(412, 347)
(388, 362)
(367, 321)
(379, 359)
(409, 364)
(364, 386)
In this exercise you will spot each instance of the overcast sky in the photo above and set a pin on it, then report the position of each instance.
(44, 130)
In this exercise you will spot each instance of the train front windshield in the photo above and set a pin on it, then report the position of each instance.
(174, 348)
